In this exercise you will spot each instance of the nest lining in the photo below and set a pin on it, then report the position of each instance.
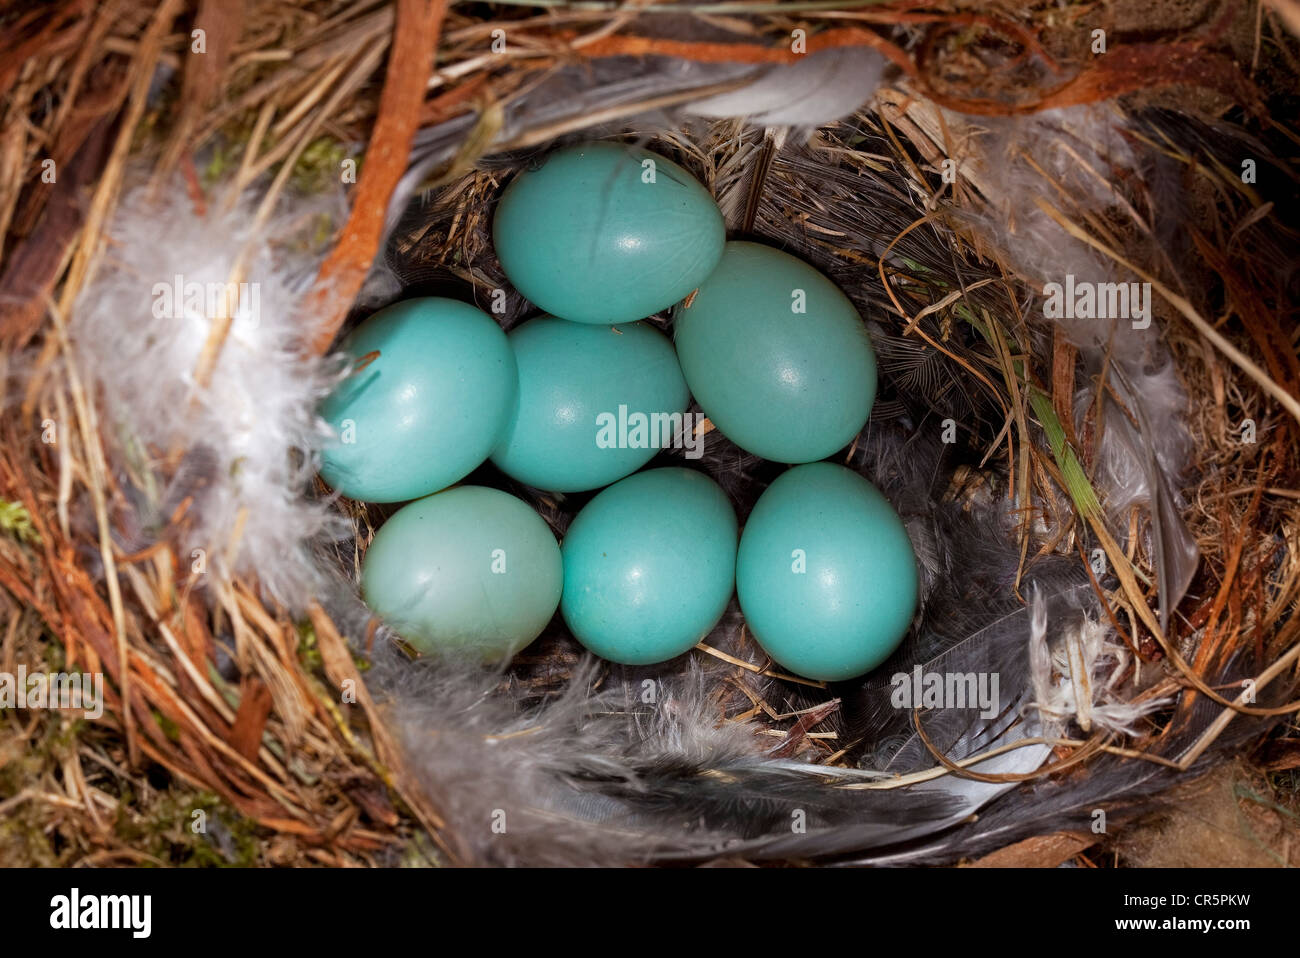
(833, 202)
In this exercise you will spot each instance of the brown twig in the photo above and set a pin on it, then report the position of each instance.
(415, 37)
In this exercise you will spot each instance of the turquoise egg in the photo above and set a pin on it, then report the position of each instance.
(427, 410)
(825, 574)
(776, 356)
(606, 233)
(471, 572)
(595, 403)
(649, 566)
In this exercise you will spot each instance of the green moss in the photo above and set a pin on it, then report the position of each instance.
(154, 815)
(320, 166)
(238, 840)
(17, 521)
(223, 160)
(54, 655)
(195, 830)
(66, 735)
(420, 852)
(308, 652)
(169, 728)
(322, 230)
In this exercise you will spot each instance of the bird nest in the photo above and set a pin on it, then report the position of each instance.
(1100, 493)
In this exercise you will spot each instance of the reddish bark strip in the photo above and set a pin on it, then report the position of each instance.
(1122, 70)
(410, 62)
(254, 709)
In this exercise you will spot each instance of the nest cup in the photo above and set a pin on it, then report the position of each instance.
(967, 662)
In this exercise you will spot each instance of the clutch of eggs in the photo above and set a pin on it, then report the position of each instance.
(601, 235)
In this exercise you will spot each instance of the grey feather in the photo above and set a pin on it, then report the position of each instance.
(816, 89)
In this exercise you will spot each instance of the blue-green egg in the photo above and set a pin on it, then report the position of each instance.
(825, 574)
(435, 386)
(776, 356)
(649, 566)
(606, 233)
(595, 403)
(470, 572)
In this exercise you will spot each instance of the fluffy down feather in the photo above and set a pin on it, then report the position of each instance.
(249, 436)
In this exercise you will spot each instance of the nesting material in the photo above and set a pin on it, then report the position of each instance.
(233, 414)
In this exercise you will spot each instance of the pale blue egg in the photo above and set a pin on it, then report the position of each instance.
(427, 409)
(606, 233)
(649, 566)
(470, 571)
(595, 403)
(776, 356)
(825, 573)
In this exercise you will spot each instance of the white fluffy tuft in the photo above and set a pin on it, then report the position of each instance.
(250, 436)
(1076, 677)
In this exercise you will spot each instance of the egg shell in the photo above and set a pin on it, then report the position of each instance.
(565, 434)
(427, 410)
(649, 566)
(470, 572)
(853, 603)
(596, 235)
(788, 386)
